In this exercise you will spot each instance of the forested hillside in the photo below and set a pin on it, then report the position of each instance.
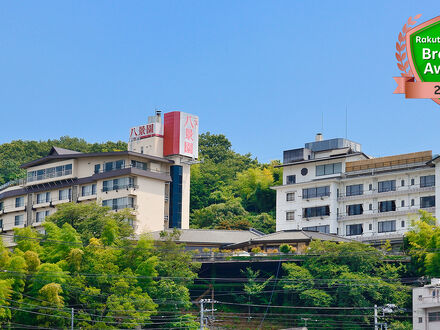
(15, 153)
(228, 190)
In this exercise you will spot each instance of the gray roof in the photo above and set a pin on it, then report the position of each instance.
(60, 153)
(287, 236)
(213, 236)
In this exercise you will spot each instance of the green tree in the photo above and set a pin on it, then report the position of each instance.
(93, 220)
(253, 186)
(423, 241)
(5, 295)
(228, 215)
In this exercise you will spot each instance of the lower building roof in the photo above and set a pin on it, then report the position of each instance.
(291, 236)
(212, 236)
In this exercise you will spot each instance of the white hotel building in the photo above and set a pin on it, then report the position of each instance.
(331, 186)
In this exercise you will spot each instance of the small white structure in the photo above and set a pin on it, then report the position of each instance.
(426, 306)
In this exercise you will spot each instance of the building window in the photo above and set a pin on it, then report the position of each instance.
(64, 194)
(370, 226)
(402, 224)
(1, 224)
(319, 211)
(290, 197)
(386, 226)
(48, 173)
(420, 319)
(19, 220)
(385, 186)
(354, 230)
(290, 179)
(370, 207)
(412, 202)
(116, 184)
(402, 183)
(43, 198)
(321, 229)
(387, 206)
(316, 192)
(354, 190)
(119, 203)
(402, 203)
(412, 182)
(116, 165)
(88, 190)
(1, 206)
(290, 215)
(428, 201)
(433, 316)
(355, 209)
(97, 168)
(427, 181)
(19, 201)
(40, 216)
(328, 169)
(140, 165)
(370, 186)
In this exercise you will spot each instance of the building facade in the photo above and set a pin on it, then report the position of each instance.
(149, 179)
(331, 186)
(426, 306)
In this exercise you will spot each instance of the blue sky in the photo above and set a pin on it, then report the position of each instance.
(261, 72)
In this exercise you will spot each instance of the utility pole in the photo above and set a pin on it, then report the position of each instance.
(71, 323)
(305, 319)
(202, 317)
(375, 318)
(203, 310)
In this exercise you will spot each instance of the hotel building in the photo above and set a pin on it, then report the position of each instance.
(152, 178)
(331, 186)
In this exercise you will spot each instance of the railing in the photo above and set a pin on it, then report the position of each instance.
(130, 166)
(49, 174)
(385, 165)
(375, 214)
(16, 182)
(375, 193)
(120, 187)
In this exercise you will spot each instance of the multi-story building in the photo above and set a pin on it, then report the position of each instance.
(333, 187)
(426, 306)
(152, 178)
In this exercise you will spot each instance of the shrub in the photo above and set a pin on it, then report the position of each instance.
(286, 248)
(206, 250)
(256, 249)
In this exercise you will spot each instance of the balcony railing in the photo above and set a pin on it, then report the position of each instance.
(376, 214)
(16, 182)
(374, 193)
(130, 166)
(120, 187)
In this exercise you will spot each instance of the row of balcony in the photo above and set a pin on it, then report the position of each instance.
(52, 175)
(370, 194)
(375, 193)
(376, 214)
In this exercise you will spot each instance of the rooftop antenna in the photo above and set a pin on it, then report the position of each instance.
(322, 122)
